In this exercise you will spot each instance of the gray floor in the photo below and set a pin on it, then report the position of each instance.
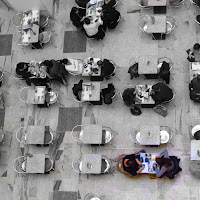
(120, 45)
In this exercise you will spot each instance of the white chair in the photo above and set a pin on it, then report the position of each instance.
(77, 165)
(108, 164)
(165, 134)
(78, 62)
(171, 24)
(92, 196)
(135, 136)
(23, 94)
(108, 134)
(20, 164)
(45, 37)
(21, 135)
(77, 133)
(177, 4)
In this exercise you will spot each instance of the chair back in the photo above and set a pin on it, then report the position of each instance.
(135, 137)
(142, 3)
(77, 133)
(174, 93)
(53, 97)
(142, 22)
(23, 94)
(48, 137)
(77, 165)
(21, 135)
(19, 164)
(167, 134)
(194, 130)
(48, 164)
(46, 37)
(108, 134)
(107, 165)
(171, 24)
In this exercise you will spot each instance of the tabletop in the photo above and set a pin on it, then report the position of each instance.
(143, 94)
(91, 91)
(147, 161)
(87, 68)
(195, 150)
(92, 134)
(150, 135)
(194, 69)
(29, 36)
(148, 65)
(159, 26)
(35, 134)
(35, 164)
(36, 95)
(91, 163)
(157, 2)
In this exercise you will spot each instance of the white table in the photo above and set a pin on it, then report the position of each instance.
(91, 163)
(35, 164)
(159, 26)
(91, 91)
(28, 36)
(148, 65)
(36, 95)
(194, 69)
(35, 134)
(157, 2)
(148, 166)
(143, 93)
(87, 68)
(195, 150)
(150, 135)
(92, 134)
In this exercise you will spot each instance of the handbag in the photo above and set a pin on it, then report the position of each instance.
(161, 110)
(136, 111)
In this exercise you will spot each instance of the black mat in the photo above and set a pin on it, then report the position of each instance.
(2, 117)
(74, 41)
(68, 118)
(62, 195)
(6, 44)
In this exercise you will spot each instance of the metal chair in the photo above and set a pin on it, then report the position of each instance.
(75, 99)
(16, 77)
(174, 93)
(135, 136)
(80, 68)
(49, 163)
(107, 164)
(92, 196)
(45, 37)
(21, 135)
(17, 19)
(19, 164)
(77, 133)
(54, 98)
(175, 4)
(77, 165)
(48, 137)
(23, 94)
(194, 130)
(142, 3)
(108, 134)
(44, 21)
(167, 60)
(171, 24)
(165, 134)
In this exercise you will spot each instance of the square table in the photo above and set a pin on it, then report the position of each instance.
(145, 97)
(92, 134)
(35, 134)
(91, 163)
(150, 135)
(148, 65)
(157, 2)
(91, 91)
(29, 36)
(87, 69)
(159, 26)
(148, 161)
(36, 95)
(194, 69)
(35, 164)
(195, 150)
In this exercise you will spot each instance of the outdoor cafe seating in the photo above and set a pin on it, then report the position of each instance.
(35, 135)
(92, 196)
(92, 164)
(152, 135)
(92, 134)
(34, 164)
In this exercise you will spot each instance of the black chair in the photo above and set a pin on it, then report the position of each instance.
(108, 93)
(171, 174)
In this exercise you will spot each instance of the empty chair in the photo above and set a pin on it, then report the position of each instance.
(196, 132)
(107, 135)
(142, 23)
(106, 165)
(171, 24)
(92, 196)
(135, 136)
(77, 133)
(21, 135)
(19, 164)
(48, 137)
(45, 37)
(77, 165)
(48, 165)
